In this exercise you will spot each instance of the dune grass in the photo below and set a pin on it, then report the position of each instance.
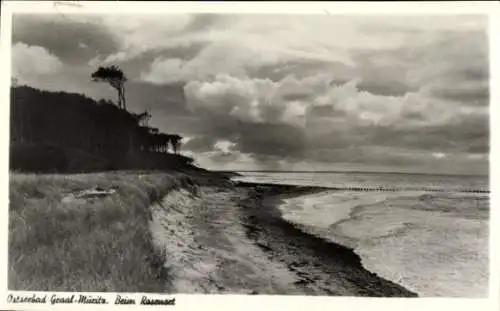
(100, 246)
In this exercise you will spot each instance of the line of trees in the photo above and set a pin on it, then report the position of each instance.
(76, 122)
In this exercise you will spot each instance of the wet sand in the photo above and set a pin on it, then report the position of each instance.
(324, 267)
(233, 240)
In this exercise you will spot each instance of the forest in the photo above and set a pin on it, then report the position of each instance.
(61, 132)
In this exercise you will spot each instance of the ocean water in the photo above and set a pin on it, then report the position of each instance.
(431, 235)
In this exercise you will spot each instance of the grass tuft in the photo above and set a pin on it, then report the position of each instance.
(102, 245)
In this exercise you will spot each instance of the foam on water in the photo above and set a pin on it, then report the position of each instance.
(432, 252)
(435, 244)
(316, 209)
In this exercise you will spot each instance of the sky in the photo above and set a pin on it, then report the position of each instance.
(283, 92)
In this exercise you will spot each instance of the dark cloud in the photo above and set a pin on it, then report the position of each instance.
(478, 145)
(271, 113)
(296, 96)
(452, 61)
(476, 73)
(320, 111)
(258, 139)
(386, 87)
(479, 95)
(184, 52)
(71, 40)
(468, 84)
(462, 136)
(187, 126)
(271, 139)
(166, 98)
(220, 127)
(386, 80)
(344, 140)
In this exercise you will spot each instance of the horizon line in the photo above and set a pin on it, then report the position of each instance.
(351, 171)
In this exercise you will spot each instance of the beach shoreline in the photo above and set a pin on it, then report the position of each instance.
(387, 232)
(213, 235)
(233, 240)
(324, 267)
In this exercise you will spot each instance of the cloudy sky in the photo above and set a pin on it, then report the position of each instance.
(284, 92)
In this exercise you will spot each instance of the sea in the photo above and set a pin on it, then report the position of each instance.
(428, 233)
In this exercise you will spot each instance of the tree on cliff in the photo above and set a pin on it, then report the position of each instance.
(175, 140)
(116, 78)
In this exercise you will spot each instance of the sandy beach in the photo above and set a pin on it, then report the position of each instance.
(235, 241)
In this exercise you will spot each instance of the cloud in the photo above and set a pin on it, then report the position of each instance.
(290, 91)
(250, 42)
(157, 32)
(332, 123)
(74, 39)
(31, 62)
(216, 58)
(248, 100)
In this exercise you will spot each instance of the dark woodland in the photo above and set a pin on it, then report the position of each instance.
(65, 132)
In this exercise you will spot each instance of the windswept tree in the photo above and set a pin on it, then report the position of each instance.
(116, 78)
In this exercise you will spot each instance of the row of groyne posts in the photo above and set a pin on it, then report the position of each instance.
(375, 188)
(392, 189)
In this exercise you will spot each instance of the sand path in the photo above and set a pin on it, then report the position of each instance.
(206, 248)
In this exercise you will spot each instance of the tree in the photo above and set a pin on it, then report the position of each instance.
(175, 140)
(143, 118)
(116, 78)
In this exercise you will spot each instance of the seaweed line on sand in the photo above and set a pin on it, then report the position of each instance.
(324, 267)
